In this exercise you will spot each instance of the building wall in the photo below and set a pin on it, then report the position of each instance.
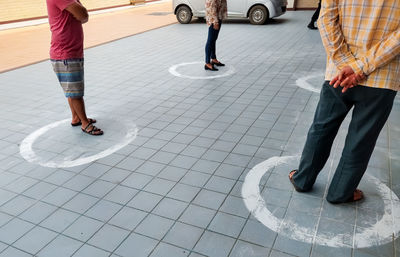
(25, 9)
(305, 4)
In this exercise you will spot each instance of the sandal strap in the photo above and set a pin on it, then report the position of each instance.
(93, 130)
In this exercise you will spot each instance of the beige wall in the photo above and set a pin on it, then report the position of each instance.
(24, 9)
(306, 3)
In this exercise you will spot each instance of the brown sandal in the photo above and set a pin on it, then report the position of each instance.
(298, 189)
(354, 198)
(92, 130)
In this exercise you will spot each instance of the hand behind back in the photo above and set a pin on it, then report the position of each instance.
(347, 78)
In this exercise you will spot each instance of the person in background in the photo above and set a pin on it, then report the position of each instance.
(314, 18)
(216, 11)
(362, 42)
(66, 53)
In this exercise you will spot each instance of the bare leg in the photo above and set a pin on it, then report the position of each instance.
(75, 117)
(78, 106)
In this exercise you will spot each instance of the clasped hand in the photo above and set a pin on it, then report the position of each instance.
(347, 78)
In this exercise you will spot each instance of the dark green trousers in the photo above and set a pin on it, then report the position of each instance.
(372, 107)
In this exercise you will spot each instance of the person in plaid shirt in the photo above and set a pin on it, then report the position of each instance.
(216, 11)
(362, 42)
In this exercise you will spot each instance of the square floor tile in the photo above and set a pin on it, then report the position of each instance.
(154, 226)
(128, 218)
(59, 220)
(197, 216)
(242, 248)
(108, 237)
(35, 240)
(183, 235)
(209, 199)
(90, 251)
(183, 192)
(103, 210)
(140, 245)
(169, 250)
(121, 194)
(214, 245)
(59, 196)
(83, 228)
(170, 208)
(137, 180)
(13, 230)
(61, 247)
(145, 201)
(38, 212)
(227, 224)
(256, 233)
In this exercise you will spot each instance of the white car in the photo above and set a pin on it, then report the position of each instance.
(258, 11)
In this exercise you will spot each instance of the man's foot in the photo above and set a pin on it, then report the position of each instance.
(75, 124)
(92, 130)
(357, 196)
(312, 26)
(292, 181)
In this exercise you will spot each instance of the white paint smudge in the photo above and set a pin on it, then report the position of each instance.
(173, 71)
(29, 154)
(303, 82)
(382, 232)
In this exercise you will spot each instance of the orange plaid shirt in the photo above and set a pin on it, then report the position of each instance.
(364, 34)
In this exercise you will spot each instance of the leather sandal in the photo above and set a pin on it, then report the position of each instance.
(298, 189)
(92, 130)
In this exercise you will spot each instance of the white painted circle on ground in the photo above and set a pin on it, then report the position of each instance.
(199, 66)
(304, 82)
(73, 147)
(382, 232)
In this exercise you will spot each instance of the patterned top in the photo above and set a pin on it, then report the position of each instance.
(364, 34)
(216, 10)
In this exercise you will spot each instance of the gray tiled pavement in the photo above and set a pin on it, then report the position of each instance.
(176, 189)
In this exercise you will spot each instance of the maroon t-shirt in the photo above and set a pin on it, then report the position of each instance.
(66, 31)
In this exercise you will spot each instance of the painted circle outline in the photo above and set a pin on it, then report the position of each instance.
(29, 155)
(173, 71)
(258, 208)
(303, 82)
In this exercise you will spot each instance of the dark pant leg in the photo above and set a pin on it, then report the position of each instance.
(214, 43)
(371, 111)
(211, 43)
(331, 111)
(315, 16)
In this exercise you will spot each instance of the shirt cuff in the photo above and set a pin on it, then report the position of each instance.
(357, 67)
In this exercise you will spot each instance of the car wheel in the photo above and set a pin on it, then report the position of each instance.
(184, 14)
(258, 15)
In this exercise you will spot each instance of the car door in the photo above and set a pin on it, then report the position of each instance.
(237, 8)
(199, 7)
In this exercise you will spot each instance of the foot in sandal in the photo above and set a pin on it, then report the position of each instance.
(92, 130)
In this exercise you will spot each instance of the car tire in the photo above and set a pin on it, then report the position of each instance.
(258, 15)
(184, 14)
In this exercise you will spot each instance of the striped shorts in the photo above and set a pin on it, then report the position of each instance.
(70, 74)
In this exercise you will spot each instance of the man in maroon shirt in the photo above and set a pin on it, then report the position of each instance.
(66, 53)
